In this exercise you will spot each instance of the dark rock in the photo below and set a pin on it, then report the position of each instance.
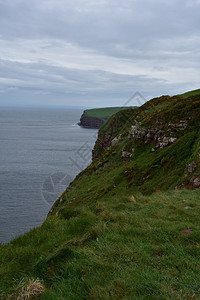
(102, 143)
(90, 122)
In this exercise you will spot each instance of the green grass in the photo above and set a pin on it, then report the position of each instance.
(124, 247)
(116, 232)
(104, 113)
(191, 93)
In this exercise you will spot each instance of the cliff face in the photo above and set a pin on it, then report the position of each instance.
(96, 117)
(163, 133)
(136, 207)
(111, 129)
(90, 122)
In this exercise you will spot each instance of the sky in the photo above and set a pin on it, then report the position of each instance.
(94, 53)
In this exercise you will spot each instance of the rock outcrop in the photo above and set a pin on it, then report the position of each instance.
(161, 138)
(168, 126)
(116, 140)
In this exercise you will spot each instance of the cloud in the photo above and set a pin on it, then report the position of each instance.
(98, 48)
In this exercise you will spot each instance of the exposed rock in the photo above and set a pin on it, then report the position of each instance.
(116, 140)
(180, 186)
(106, 136)
(196, 182)
(152, 135)
(103, 142)
(126, 154)
(90, 122)
(192, 167)
(137, 132)
(182, 125)
(166, 141)
(172, 140)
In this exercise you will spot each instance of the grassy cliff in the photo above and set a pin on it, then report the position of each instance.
(96, 117)
(128, 226)
(103, 113)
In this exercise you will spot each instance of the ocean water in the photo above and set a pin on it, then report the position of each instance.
(41, 151)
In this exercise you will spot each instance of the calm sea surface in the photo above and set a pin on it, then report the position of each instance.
(41, 151)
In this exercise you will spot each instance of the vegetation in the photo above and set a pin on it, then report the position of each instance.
(103, 113)
(191, 93)
(120, 230)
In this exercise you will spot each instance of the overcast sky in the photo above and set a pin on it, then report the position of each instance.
(97, 53)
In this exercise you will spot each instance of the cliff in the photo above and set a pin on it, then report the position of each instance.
(96, 117)
(136, 207)
(87, 121)
(166, 131)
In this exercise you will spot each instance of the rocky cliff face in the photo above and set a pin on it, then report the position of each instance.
(167, 127)
(121, 214)
(90, 122)
(111, 130)
(161, 135)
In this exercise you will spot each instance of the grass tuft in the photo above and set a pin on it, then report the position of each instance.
(28, 290)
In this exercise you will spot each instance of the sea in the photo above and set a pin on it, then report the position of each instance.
(41, 152)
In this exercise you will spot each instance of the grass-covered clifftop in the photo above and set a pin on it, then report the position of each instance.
(96, 117)
(128, 226)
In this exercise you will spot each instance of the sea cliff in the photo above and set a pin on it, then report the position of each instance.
(87, 121)
(135, 207)
(96, 117)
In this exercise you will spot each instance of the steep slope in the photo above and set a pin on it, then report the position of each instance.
(127, 227)
(159, 139)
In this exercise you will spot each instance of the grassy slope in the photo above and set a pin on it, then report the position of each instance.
(116, 231)
(191, 93)
(103, 113)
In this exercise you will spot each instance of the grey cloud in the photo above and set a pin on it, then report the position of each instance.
(53, 79)
(100, 26)
(66, 83)
(159, 39)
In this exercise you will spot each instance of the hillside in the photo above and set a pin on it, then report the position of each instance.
(190, 93)
(128, 226)
(96, 117)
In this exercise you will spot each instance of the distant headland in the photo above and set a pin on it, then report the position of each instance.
(96, 117)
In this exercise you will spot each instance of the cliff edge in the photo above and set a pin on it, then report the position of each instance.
(96, 117)
(128, 226)
(87, 121)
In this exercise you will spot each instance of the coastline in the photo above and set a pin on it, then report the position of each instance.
(90, 122)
